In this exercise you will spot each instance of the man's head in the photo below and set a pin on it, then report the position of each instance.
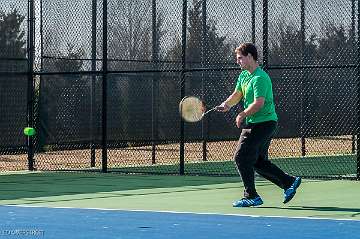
(246, 55)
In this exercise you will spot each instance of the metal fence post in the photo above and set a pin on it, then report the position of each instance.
(353, 42)
(182, 83)
(358, 95)
(253, 11)
(303, 80)
(93, 81)
(42, 114)
(265, 35)
(155, 83)
(30, 86)
(104, 89)
(205, 122)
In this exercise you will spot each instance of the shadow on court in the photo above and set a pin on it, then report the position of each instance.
(34, 185)
(336, 210)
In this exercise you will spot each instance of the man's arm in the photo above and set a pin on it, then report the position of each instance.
(232, 100)
(251, 109)
(255, 106)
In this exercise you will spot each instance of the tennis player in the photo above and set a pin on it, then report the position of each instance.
(254, 87)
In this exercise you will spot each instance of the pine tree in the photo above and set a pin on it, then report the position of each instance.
(12, 42)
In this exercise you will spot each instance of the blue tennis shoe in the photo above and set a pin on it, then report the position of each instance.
(290, 192)
(247, 202)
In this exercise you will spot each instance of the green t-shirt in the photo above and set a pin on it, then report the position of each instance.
(252, 86)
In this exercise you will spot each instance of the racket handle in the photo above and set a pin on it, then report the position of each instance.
(223, 107)
(209, 111)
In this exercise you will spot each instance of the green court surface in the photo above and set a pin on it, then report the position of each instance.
(310, 166)
(315, 198)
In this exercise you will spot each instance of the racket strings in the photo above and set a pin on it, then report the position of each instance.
(192, 109)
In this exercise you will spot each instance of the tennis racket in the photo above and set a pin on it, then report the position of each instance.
(192, 109)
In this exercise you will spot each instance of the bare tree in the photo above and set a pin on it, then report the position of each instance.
(286, 46)
(130, 31)
(131, 48)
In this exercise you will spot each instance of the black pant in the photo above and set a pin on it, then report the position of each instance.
(252, 155)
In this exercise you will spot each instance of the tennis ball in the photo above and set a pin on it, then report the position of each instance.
(29, 131)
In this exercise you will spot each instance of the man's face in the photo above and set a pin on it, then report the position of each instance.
(243, 61)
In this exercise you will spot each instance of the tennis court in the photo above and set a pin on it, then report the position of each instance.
(93, 205)
(98, 140)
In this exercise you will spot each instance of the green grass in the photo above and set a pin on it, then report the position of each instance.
(313, 166)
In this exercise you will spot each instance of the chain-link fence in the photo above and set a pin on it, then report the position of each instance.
(13, 85)
(101, 80)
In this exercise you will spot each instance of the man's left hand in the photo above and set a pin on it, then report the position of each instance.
(240, 118)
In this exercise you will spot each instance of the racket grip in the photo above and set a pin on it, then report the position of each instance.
(209, 111)
(222, 108)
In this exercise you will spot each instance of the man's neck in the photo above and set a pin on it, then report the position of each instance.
(253, 67)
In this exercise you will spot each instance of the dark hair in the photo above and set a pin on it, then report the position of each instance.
(246, 48)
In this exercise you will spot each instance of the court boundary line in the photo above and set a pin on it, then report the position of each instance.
(194, 213)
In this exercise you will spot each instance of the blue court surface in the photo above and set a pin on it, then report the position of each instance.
(41, 222)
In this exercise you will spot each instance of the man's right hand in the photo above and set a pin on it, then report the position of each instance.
(222, 108)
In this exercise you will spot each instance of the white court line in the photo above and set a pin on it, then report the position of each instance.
(194, 213)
